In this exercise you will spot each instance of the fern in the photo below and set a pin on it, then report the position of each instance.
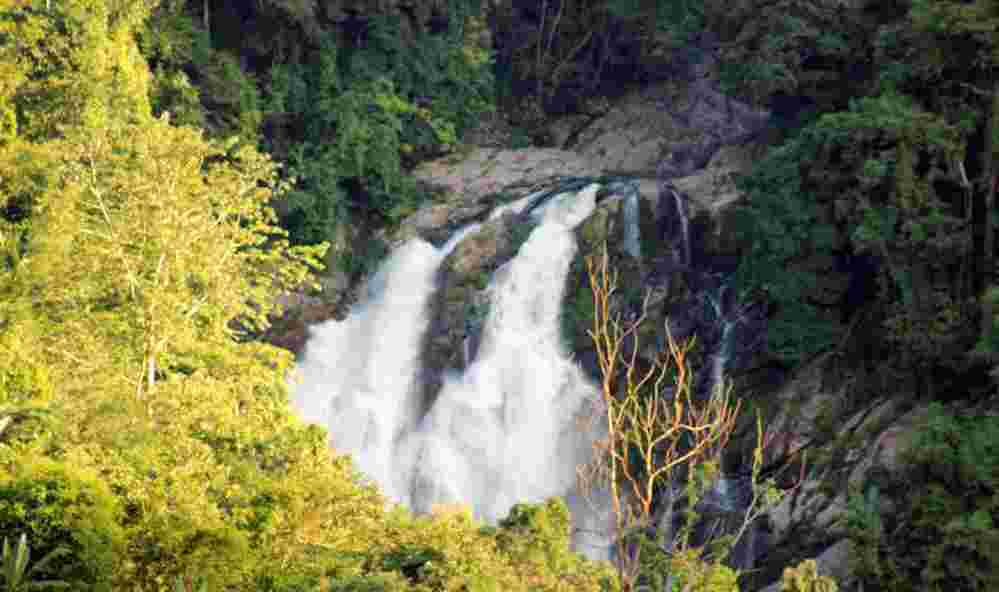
(16, 573)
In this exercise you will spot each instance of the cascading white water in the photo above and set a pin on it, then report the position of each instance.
(358, 375)
(684, 215)
(632, 230)
(514, 207)
(719, 359)
(503, 432)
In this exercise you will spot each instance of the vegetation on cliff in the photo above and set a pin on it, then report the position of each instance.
(144, 430)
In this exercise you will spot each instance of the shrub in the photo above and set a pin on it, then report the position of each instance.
(693, 574)
(805, 578)
(62, 504)
(949, 510)
(25, 394)
(353, 118)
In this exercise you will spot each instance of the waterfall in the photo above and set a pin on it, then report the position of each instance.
(632, 231)
(720, 357)
(358, 375)
(730, 332)
(505, 431)
(683, 213)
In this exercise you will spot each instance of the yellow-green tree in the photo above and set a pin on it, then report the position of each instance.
(141, 427)
(145, 260)
(142, 256)
(71, 62)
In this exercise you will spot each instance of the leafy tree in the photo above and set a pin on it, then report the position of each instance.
(351, 120)
(141, 426)
(785, 225)
(141, 211)
(889, 178)
(943, 534)
(154, 254)
(970, 101)
(71, 63)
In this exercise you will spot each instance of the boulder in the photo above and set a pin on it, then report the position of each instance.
(631, 138)
(472, 182)
(672, 128)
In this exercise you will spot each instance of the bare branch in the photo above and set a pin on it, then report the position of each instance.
(648, 438)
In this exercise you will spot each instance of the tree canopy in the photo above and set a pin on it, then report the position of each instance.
(142, 427)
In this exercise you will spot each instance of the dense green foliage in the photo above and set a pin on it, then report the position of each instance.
(785, 226)
(351, 115)
(346, 113)
(944, 535)
(566, 56)
(895, 167)
(197, 83)
(870, 228)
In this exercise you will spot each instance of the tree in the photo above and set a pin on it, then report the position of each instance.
(152, 257)
(657, 432)
(181, 251)
(944, 30)
(71, 63)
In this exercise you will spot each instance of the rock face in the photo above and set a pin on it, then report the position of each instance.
(632, 137)
(677, 136)
(673, 128)
(471, 183)
(833, 444)
(457, 314)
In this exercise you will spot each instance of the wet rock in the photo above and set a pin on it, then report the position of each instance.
(471, 183)
(457, 313)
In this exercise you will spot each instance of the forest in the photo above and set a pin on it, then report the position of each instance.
(168, 168)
